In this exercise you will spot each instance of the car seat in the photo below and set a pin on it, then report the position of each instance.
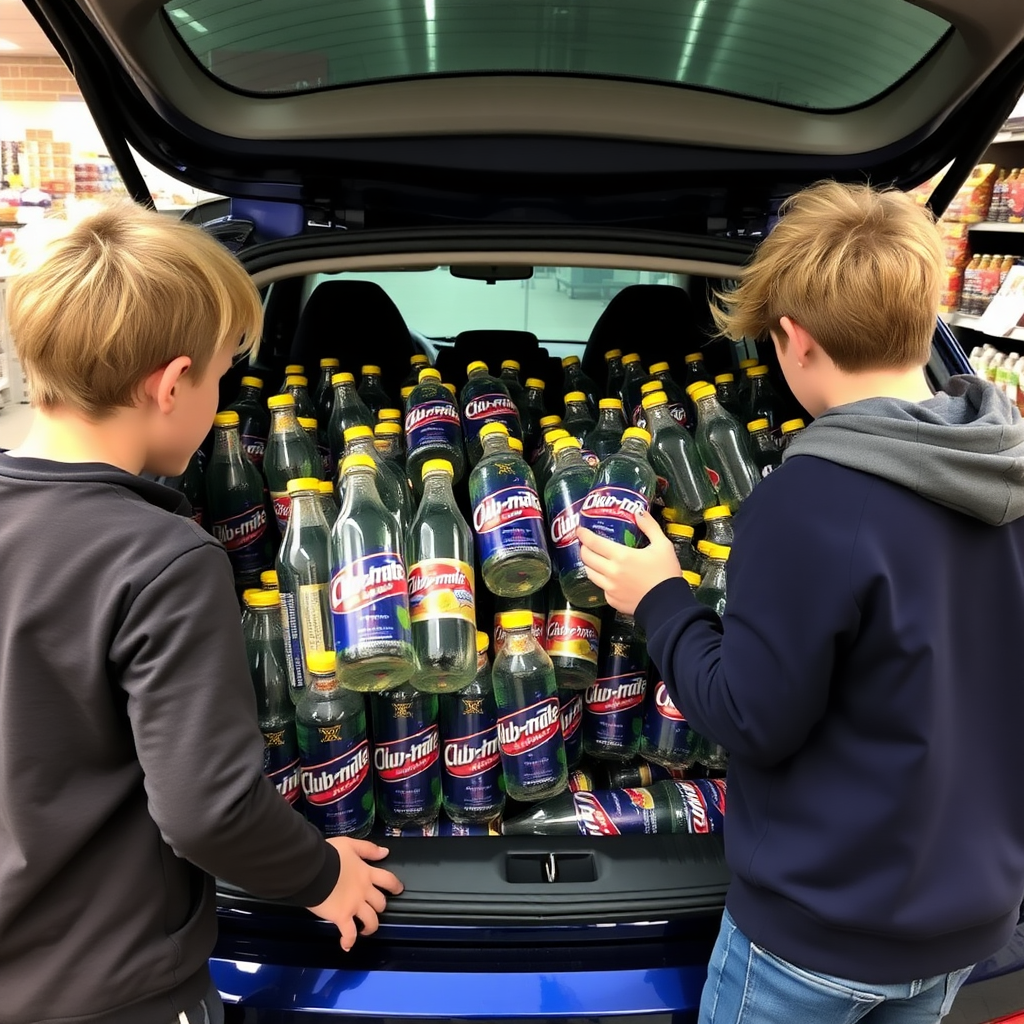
(493, 347)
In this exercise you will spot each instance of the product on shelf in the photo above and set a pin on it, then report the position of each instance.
(971, 203)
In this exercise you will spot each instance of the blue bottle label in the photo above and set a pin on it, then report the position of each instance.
(281, 761)
(406, 759)
(611, 512)
(613, 708)
(255, 447)
(493, 407)
(292, 642)
(572, 724)
(704, 802)
(529, 740)
(472, 777)
(565, 518)
(666, 732)
(509, 519)
(244, 536)
(370, 602)
(616, 812)
(434, 422)
(336, 779)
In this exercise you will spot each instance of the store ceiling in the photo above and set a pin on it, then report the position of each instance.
(19, 27)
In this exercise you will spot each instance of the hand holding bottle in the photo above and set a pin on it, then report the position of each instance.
(357, 894)
(626, 574)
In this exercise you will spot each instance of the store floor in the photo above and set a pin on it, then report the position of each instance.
(14, 423)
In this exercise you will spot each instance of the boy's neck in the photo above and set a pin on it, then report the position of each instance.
(60, 435)
(844, 388)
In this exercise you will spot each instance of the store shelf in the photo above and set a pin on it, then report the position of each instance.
(1009, 137)
(967, 320)
(991, 225)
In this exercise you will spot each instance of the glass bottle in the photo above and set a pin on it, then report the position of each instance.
(764, 401)
(371, 391)
(615, 373)
(349, 411)
(509, 376)
(531, 414)
(723, 449)
(296, 386)
(578, 420)
(485, 399)
(253, 419)
(790, 430)
(290, 455)
(433, 429)
(623, 488)
(766, 453)
(416, 363)
(574, 379)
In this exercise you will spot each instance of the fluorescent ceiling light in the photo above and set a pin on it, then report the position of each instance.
(183, 15)
(428, 6)
(200, 28)
(6, 44)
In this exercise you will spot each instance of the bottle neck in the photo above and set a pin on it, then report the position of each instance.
(361, 446)
(519, 641)
(658, 415)
(323, 685)
(437, 486)
(361, 481)
(249, 394)
(306, 510)
(344, 392)
(576, 409)
(494, 444)
(285, 421)
(708, 406)
(611, 419)
(569, 457)
(634, 446)
(227, 444)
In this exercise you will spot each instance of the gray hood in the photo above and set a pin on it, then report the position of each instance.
(963, 448)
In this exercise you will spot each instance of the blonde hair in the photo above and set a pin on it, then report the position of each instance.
(103, 300)
(858, 268)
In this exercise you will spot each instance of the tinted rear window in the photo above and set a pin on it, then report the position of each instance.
(817, 54)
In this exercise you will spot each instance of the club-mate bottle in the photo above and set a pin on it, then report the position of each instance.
(766, 453)
(545, 461)
(613, 704)
(253, 419)
(564, 495)
(509, 376)
(442, 594)
(574, 379)
(712, 589)
(371, 390)
(667, 738)
(323, 395)
(485, 399)
(406, 756)
(723, 449)
(193, 485)
(349, 410)
(369, 587)
(433, 429)
(290, 455)
(472, 781)
(264, 648)
(729, 394)
(508, 518)
(606, 437)
(291, 370)
(313, 433)
(303, 578)
(679, 404)
(633, 377)
(571, 712)
(681, 536)
(536, 604)
(235, 506)
(695, 371)
(764, 401)
(578, 419)
(529, 714)
(298, 387)
(615, 374)
(718, 525)
(790, 430)
(388, 440)
(674, 456)
(623, 488)
(392, 483)
(337, 783)
(572, 641)
(328, 503)
(416, 363)
(530, 415)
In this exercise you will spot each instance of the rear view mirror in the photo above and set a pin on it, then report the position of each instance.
(492, 273)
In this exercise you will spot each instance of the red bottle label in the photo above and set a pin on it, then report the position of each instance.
(573, 634)
(523, 731)
(404, 758)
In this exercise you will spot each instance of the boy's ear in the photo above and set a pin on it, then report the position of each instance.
(793, 337)
(160, 386)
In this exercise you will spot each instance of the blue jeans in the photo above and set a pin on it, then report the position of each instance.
(748, 985)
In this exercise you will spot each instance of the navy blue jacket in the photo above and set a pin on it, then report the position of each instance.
(866, 680)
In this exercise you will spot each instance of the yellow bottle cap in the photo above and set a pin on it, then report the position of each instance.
(690, 388)
(280, 402)
(437, 466)
(307, 422)
(326, 487)
(669, 515)
(724, 378)
(429, 373)
(359, 461)
(356, 432)
(569, 360)
(329, 361)
(419, 360)
(654, 398)
(761, 424)
(535, 382)
(549, 421)
(658, 368)
(633, 357)
(613, 353)
(703, 391)
(551, 436)
(516, 445)
(252, 382)
(262, 598)
(342, 378)
(483, 641)
(716, 512)
(489, 429)
(757, 371)
(694, 357)
(704, 546)
(269, 577)
(610, 403)
(745, 364)
(226, 419)
(790, 425)
(369, 368)
(321, 663)
(679, 530)
(519, 619)
(719, 551)
(293, 368)
(389, 414)
(477, 364)
(388, 428)
(575, 396)
(450, 387)
(650, 386)
(637, 433)
(296, 380)
(304, 483)
(691, 577)
(510, 364)
(405, 393)
(566, 442)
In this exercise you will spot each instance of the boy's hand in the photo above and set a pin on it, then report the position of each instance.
(358, 892)
(627, 574)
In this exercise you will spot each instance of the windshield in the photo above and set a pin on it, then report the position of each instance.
(818, 54)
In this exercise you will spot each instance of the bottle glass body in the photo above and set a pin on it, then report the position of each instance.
(673, 454)
(725, 454)
(485, 399)
(624, 487)
(433, 430)
(613, 704)
(564, 495)
(290, 455)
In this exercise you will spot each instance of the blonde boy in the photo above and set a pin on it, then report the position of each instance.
(864, 675)
(130, 758)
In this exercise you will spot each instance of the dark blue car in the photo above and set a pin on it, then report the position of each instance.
(525, 179)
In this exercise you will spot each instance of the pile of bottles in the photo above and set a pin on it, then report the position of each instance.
(983, 277)
(357, 530)
(1002, 369)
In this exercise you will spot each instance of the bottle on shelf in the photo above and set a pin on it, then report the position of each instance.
(388, 439)
(323, 395)
(791, 429)
(679, 404)
(291, 370)
(712, 589)
(696, 372)
(509, 376)
(297, 386)
(728, 394)
(392, 483)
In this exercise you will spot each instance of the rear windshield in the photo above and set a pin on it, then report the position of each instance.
(815, 54)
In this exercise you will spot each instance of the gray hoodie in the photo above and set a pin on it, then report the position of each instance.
(963, 448)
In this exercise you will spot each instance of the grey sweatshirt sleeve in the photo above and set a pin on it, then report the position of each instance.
(180, 658)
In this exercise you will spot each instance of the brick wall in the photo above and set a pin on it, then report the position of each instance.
(42, 79)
